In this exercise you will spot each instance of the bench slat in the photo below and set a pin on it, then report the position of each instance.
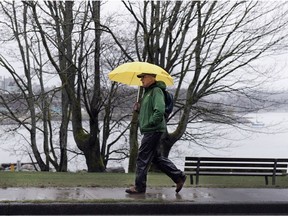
(195, 164)
(236, 159)
(235, 174)
(230, 172)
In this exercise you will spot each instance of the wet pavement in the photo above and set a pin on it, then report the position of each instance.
(199, 195)
(157, 201)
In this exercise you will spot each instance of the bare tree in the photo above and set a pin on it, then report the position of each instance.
(78, 65)
(210, 49)
(28, 106)
(70, 73)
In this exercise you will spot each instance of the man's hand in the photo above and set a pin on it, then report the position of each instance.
(136, 107)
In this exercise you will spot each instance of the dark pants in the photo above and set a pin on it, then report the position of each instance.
(149, 152)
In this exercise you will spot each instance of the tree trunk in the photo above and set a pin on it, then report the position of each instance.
(63, 164)
(133, 140)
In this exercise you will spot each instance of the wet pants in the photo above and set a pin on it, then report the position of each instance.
(149, 152)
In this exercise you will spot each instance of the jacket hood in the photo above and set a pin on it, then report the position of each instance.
(159, 84)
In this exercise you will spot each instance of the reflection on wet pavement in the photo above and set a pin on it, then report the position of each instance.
(16, 194)
(161, 194)
(158, 196)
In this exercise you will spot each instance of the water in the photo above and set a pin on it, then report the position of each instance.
(269, 140)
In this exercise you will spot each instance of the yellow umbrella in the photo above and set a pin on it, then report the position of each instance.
(127, 73)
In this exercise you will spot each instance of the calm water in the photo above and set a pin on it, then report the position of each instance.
(268, 140)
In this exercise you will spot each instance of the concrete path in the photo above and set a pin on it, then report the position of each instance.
(157, 201)
(199, 195)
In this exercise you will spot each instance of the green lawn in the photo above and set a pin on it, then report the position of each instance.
(52, 179)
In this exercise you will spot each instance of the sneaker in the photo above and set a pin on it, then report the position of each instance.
(132, 190)
(180, 184)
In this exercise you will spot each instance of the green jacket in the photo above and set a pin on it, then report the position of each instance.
(151, 116)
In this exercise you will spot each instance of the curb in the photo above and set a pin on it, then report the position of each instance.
(142, 208)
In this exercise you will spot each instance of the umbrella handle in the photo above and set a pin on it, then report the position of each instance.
(138, 94)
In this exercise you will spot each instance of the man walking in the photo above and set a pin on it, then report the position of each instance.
(152, 125)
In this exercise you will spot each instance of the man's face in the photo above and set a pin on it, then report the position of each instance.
(147, 80)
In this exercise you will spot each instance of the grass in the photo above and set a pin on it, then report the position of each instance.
(52, 179)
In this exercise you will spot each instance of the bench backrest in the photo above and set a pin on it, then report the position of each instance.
(222, 165)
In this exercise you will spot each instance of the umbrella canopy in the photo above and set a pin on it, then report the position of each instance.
(127, 73)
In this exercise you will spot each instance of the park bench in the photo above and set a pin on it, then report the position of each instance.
(229, 166)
